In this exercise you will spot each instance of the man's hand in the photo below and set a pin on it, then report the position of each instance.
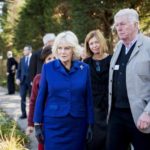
(17, 81)
(143, 121)
(13, 67)
(7, 73)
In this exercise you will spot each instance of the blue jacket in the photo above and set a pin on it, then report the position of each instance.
(65, 93)
(23, 70)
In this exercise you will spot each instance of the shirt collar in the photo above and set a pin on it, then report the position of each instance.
(75, 66)
(132, 42)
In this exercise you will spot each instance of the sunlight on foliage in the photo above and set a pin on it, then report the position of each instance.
(11, 142)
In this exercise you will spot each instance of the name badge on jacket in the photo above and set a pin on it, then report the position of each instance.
(116, 67)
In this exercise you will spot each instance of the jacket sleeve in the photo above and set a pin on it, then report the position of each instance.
(41, 98)
(33, 66)
(89, 99)
(18, 76)
(16, 64)
(33, 97)
(8, 66)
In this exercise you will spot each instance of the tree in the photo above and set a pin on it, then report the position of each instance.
(38, 17)
(8, 22)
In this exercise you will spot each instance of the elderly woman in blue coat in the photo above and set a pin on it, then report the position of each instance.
(63, 116)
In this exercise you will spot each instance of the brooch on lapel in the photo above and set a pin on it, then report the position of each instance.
(81, 67)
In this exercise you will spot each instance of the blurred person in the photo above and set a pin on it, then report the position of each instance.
(12, 66)
(67, 113)
(129, 86)
(83, 54)
(99, 62)
(22, 78)
(36, 62)
(46, 56)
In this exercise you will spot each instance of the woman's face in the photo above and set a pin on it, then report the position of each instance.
(94, 45)
(65, 52)
(49, 58)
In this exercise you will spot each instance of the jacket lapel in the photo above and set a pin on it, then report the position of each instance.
(24, 62)
(137, 47)
(75, 66)
(116, 54)
(62, 70)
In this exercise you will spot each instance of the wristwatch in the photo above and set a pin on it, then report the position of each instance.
(36, 123)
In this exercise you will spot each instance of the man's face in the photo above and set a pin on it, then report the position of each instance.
(49, 43)
(125, 28)
(26, 51)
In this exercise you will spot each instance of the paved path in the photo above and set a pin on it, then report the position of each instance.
(11, 105)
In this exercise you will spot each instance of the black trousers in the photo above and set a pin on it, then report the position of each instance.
(24, 89)
(122, 132)
(11, 83)
(100, 130)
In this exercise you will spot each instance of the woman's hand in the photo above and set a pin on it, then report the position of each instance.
(29, 130)
(39, 133)
(89, 135)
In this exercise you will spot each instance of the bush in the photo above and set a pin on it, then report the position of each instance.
(11, 137)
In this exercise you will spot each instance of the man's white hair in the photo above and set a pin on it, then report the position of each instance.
(9, 54)
(48, 37)
(130, 13)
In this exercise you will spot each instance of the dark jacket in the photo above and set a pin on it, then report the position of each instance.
(22, 72)
(12, 65)
(34, 93)
(35, 64)
(100, 97)
(99, 82)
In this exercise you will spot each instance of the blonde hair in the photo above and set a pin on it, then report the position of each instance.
(69, 37)
(103, 44)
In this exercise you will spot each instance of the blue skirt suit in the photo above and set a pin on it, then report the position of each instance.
(68, 108)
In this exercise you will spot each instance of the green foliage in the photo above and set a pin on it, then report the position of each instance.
(30, 26)
(7, 125)
(38, 17)
(3, 81)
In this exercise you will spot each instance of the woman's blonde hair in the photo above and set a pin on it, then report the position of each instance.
(99, 36)
(69, 37)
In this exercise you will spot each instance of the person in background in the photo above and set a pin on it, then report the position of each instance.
(67, 112)
(22, 78)
(36, 62)
(98, 61)
(46, 56)
(12, 66)
(129, 86)
(82, 51)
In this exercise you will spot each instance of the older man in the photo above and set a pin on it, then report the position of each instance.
(36, 62)
(129, 86)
